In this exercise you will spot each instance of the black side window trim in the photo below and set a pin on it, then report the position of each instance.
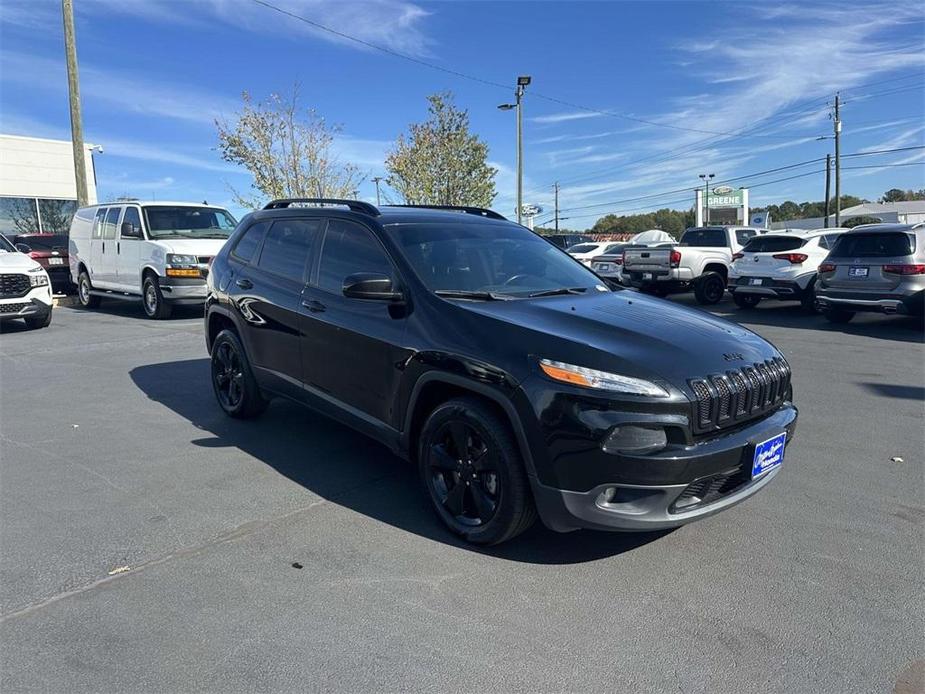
(316, 265)
(314, 251)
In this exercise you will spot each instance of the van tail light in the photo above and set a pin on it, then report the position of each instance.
(904, 269)
(675, 259)
(792, 258)
(736, 256)
(826, 267)
(34, 255)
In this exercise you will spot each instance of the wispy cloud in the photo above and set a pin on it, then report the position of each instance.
(565, 117)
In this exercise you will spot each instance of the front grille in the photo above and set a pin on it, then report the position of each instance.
(723, 400)
(13, 308)
(708, 489)
(12, 286)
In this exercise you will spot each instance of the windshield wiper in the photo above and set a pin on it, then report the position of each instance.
(560, 290)
(465, 294)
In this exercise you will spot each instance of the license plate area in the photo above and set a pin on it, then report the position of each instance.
(858, 272)
(56, 261)
(756, 281)
(769, 454)
(647, 275)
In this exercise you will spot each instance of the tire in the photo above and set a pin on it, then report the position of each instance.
(42, 321)
(233, 382)
(86, 299)
(153, 299)
(746, 300)
(493, 502)
(709, 288)
(837, 315)
(808, 298)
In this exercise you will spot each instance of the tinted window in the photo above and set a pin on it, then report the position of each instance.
(829, 240)
(884, 245)
(112, 219)
(43, 242)
(614, 248)
(134, 218)
(743, 235)
(349, 248)
(246, 246)
(773, 244)
(501, 258)
(583, 248)
(288, 246)
(704, 237)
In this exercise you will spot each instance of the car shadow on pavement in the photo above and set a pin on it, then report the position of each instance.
(894, 390)
(133, 309)
(350, 470)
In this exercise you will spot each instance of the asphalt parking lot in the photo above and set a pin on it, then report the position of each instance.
(149, 543)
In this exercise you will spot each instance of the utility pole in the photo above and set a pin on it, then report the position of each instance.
(376, 180)
(828, 190)
(556, 187)
(837, 163)
(522, 82)
(73, 89)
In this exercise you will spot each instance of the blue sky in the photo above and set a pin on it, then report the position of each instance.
(726, 88)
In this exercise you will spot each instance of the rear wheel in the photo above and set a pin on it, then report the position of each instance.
(86, 299)
(474, 474)
(837, 315)
(153, 299)
(709, 288)
(233, 381)
(746, 300)
(42, 321)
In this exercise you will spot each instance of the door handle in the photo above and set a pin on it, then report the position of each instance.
(314, 306)
(244, 283)
(104, 246)
(118, 247)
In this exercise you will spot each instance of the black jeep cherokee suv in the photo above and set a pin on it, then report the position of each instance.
(515, 380)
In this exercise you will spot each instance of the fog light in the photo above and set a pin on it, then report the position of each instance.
(631, 438)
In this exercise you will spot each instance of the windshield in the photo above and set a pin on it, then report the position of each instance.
(167, 221)
(501, 259)
(711, 238)
(773, 244)
(6, 246)
(583, 248)
(43, 242)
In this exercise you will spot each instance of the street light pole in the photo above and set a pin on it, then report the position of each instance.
(522, 82)
(73, 89)
(557, 206)
(706, 178)
(837, 163)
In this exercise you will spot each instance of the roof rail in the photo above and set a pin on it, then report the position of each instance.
(354, 205)
(479, 211)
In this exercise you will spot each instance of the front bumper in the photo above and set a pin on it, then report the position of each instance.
(183, 290)
(659, 491)
(26, 307)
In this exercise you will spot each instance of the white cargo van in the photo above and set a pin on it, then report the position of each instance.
(158, 252)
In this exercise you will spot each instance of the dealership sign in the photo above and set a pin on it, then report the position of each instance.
(725, 196)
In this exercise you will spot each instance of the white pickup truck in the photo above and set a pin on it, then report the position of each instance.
(700, 261)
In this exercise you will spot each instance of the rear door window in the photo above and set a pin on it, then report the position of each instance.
(288, 247)
(98, 223)
(715, 238)
(874, 245)
(773, 244)
(112, 221)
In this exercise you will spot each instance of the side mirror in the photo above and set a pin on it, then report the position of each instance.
(371, 285)
(128, 230)
(23, 248)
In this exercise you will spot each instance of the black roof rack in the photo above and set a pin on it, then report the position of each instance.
(479, 211)
(354, 205)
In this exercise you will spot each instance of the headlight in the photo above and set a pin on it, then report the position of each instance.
(37, 277)
(600, 380)
(179, 260)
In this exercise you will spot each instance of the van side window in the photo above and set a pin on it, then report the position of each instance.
(250, 240)
(112, 220)
(132, 217)
(98, 223)
(287, 249)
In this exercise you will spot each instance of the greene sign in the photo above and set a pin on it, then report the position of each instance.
(724, 197)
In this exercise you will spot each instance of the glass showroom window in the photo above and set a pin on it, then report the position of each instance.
(55, 215)
(18, 216)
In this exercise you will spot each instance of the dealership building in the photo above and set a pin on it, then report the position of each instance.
(38, 189)
(724, 205)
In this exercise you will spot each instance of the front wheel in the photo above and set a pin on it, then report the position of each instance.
(709, 289)
(746, 300)
(153, 299)
(474, 474)
(233, 381)
(86, 299)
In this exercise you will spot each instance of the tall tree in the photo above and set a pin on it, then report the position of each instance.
(288, 150)
(440, 162)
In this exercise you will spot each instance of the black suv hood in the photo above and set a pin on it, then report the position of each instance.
(631, 333)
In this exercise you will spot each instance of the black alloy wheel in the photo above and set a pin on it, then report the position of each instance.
(709, 289)
(232, 380)
(473, 471)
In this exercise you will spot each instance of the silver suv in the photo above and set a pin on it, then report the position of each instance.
(875, 267)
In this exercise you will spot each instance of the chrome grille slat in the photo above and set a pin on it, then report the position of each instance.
(725, 399)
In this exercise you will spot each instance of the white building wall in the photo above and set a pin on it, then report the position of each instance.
(38, 168)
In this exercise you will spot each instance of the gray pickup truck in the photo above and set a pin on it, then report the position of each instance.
(700, 261)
